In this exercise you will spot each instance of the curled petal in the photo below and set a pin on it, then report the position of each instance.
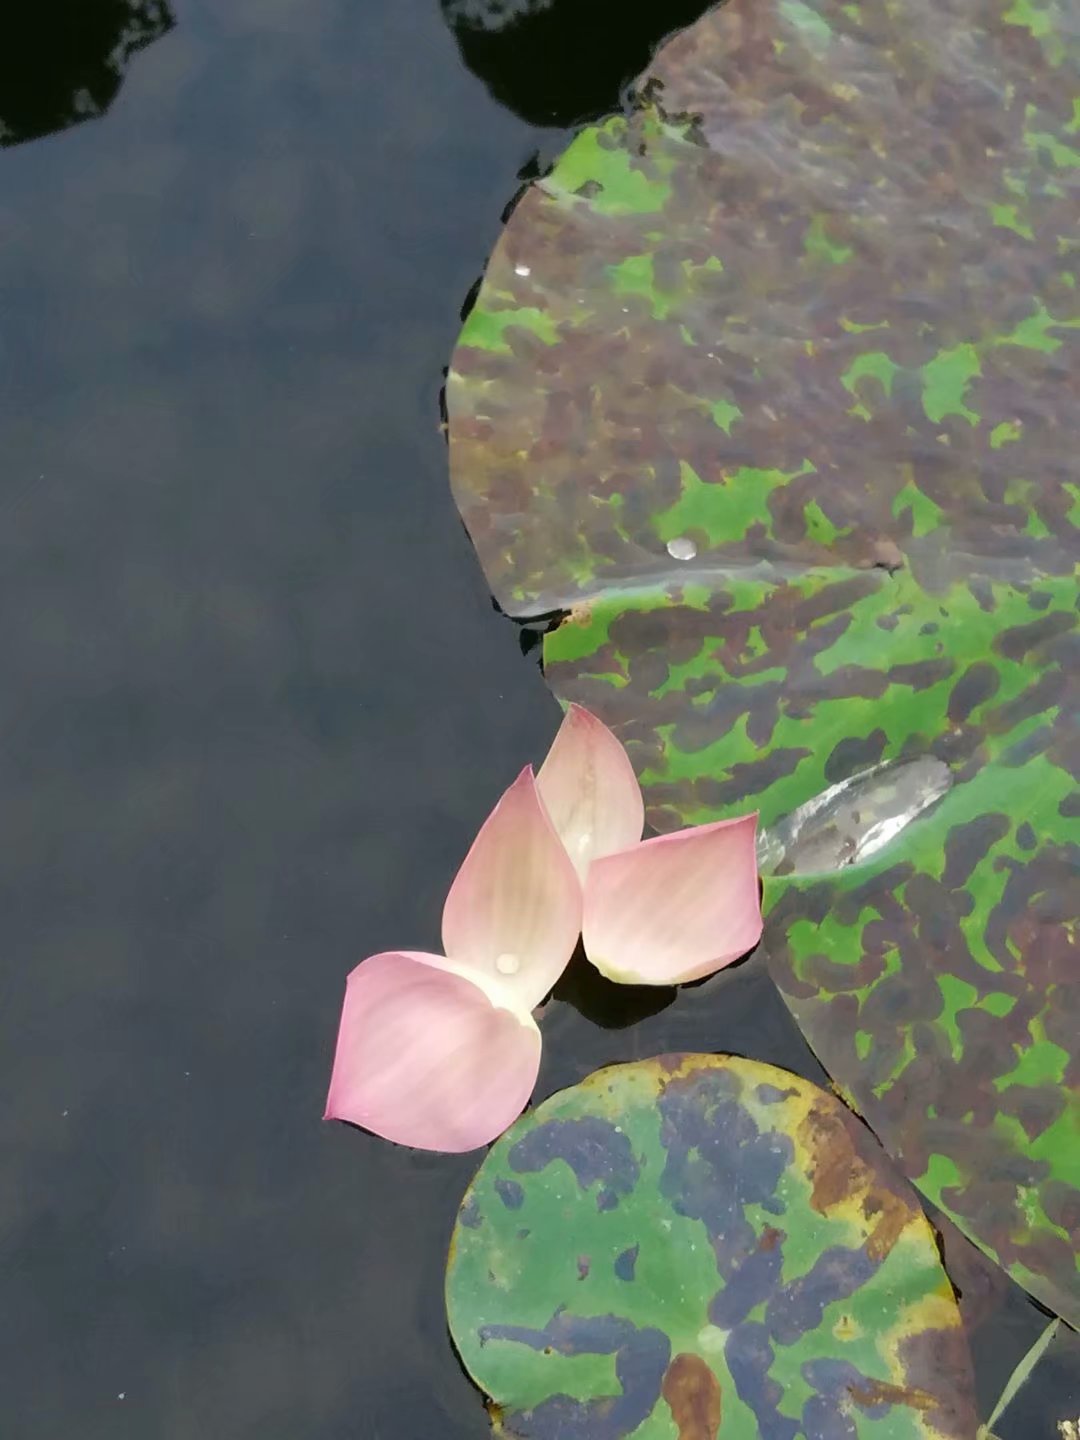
(424, 1057)
(675, 908)
(513, 914)
(590, 790)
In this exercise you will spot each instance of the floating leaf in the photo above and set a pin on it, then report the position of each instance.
(699, 1246)
(772, 385)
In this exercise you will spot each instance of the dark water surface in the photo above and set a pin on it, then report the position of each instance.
(256, 701)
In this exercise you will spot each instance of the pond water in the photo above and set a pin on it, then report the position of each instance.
(257, 700)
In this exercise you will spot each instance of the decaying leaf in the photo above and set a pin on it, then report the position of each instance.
(702, 1246)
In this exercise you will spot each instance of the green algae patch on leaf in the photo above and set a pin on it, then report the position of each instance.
(789, 241)
(700, 1247)
(871, 560)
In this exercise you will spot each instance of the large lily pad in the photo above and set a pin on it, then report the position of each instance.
(773, 385)
(698, 1246)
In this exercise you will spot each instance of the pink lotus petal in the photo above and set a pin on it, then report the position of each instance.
(424, 1057)
(513, 915)
(675, 908)
(590, 790)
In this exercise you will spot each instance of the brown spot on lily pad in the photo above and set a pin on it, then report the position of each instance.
(692, 1392)
(878, 1392)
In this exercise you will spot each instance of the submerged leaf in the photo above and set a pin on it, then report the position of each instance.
(703, 1246)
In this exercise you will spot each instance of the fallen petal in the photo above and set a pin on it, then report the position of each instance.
(590, 790)
(674, 908)
(424, 1058)
(513, 914)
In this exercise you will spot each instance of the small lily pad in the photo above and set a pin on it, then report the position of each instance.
(699, 1246)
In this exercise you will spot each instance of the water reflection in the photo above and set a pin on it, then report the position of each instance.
(491, 14)
(63, 61)
(853, 820)
(559, 62)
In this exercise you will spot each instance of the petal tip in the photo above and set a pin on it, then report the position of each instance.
(588, 786)
(513, 914)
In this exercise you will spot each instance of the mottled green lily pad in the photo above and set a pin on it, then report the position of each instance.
(774, 386)
(700, 1246)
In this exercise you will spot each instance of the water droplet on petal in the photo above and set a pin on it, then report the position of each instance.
(681, 548)
(583, 841)
(522, 270)
(508, 964)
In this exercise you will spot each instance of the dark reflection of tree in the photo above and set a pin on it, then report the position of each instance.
(63, 61)
(557, 62)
